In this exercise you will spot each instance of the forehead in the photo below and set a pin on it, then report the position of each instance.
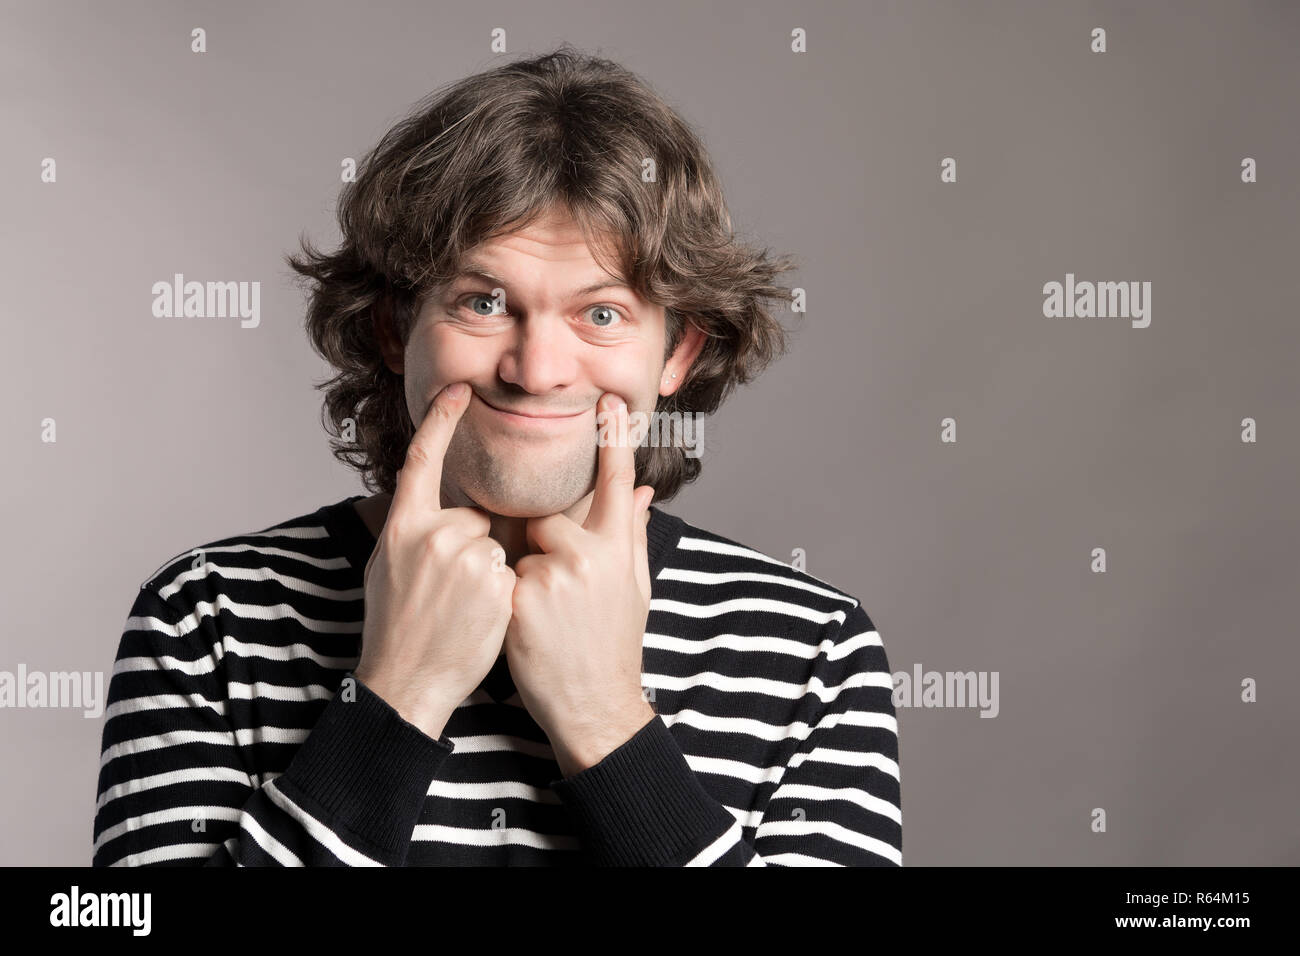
(552, 252)
(555, 239)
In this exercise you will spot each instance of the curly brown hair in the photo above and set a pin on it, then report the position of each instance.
(490, 154)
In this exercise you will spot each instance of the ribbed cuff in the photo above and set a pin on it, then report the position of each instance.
(369, 770)
(642, 805)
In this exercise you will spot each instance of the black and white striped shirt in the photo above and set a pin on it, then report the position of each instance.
(236, 734)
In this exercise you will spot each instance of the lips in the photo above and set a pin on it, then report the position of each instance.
(530, 415)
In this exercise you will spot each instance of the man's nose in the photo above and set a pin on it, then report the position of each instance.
(541, 356)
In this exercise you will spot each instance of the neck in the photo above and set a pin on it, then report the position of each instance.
(509, 532)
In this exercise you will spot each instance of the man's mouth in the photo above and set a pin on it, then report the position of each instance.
(530, 417)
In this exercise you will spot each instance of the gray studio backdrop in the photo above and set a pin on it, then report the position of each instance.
(963, 463)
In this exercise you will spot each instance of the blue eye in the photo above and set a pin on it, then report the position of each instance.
(613, 313)
(491, 303)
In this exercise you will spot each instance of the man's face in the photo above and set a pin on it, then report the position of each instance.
(542, 346)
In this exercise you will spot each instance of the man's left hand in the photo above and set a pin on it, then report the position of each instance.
(580, 609)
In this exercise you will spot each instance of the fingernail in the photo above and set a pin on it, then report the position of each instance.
(456, 391)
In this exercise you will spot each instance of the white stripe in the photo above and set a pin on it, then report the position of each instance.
(737, 769)
(300, 693)
(732, 642)
(746, 604)
(798, 730)
(251, 612)
(232, 847)
(304, 531)
(797, 859)
(189, 775)
(847, 758)
(504, 836)
(847, 646)
(717, 547)
(164, 854)
(136, 705)
(786, 690)
(739, 551)
(242, 737)
(722, 682)
(232, 573)
(167, 815)
(487, 743)
(286, 652)
(753, 643)
(717, 848)
(805, 791)
(147, 622)
(743, 770)
(273, 847)
(746, 818)
(174, 738)
(265, 734)
(325, 564)
(189, 554)
(728, 577)
(194, 668)
(495, 790)
(836, 832)
(319, 831)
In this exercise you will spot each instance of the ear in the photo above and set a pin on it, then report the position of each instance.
(682, 358)
(390, 343)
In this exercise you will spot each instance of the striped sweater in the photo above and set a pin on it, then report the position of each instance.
(237, 734)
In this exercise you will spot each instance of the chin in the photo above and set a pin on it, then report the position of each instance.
(530, 507)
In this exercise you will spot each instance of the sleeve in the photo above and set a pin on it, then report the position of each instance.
(174, 784)
(837, 801)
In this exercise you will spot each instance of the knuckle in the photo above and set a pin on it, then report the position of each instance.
(417, 454)
(396, 528)
(622, 477)
(441, 539)
(440, 408)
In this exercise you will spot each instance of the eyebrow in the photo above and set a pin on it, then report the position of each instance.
(476, 270)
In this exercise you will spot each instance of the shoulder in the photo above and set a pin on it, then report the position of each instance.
(294, 553)
(724, 576)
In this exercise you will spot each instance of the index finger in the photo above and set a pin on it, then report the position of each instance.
(421, 481)
(613, 502)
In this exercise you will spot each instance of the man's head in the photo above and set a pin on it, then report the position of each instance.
(546, 232)
(536, 327)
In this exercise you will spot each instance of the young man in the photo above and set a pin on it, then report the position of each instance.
(505, 655)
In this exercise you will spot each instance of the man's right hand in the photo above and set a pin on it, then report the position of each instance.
(438, 590)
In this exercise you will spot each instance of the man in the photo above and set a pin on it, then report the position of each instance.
(506, 655)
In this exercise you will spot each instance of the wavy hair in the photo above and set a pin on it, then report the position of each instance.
(490, 154)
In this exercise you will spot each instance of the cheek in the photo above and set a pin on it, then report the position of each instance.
(436, 356)
(629, 373)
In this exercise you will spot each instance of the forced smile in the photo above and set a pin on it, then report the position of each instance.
(530, 418)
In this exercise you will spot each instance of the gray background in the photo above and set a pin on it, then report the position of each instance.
(1118, 690)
